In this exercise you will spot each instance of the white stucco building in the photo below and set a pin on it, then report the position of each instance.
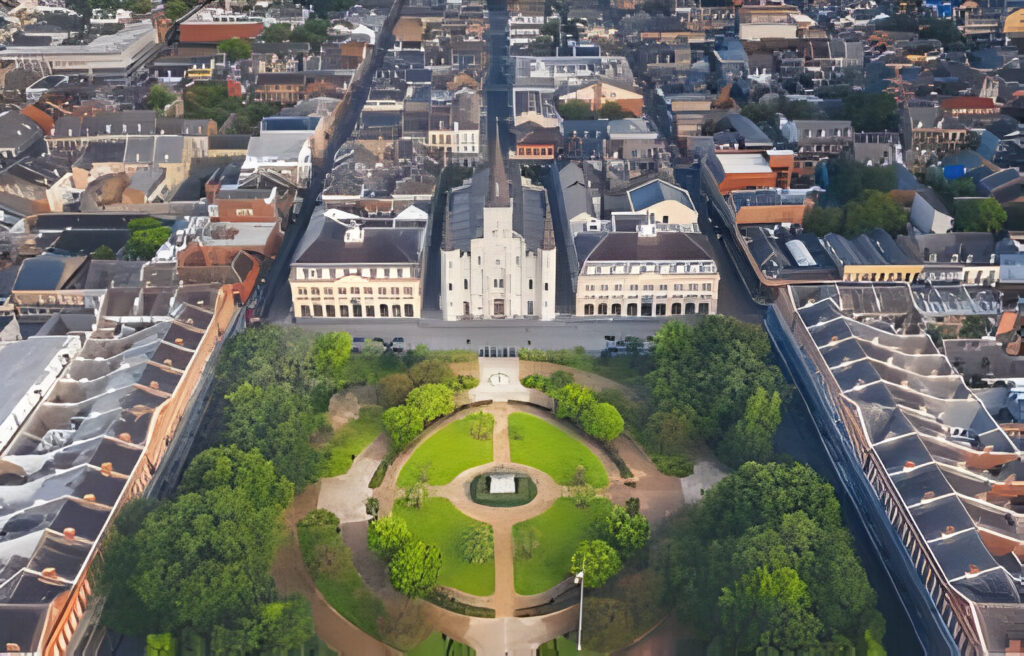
(498, 249)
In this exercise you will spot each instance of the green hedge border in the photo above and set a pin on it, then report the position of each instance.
(479, 493)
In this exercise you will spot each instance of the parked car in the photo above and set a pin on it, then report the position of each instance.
(357, 344)
(398, 344)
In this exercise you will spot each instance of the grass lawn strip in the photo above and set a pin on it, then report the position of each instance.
(329, 561)
(350, 440)
(548, 448)
(438, 522)
(560, 529)
(445, 454)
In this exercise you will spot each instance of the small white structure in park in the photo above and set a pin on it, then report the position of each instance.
(503, 483)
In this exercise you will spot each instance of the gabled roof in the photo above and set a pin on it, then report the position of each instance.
(655, 191)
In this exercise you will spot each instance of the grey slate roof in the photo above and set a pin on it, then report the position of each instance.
(656, 191)
(324, 243)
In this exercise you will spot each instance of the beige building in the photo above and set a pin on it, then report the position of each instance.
(344, 269)
(498, 249)
(645, 272)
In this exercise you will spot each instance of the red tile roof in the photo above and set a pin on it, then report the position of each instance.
(968, 102)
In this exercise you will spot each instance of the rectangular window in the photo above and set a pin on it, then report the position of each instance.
(407, 291)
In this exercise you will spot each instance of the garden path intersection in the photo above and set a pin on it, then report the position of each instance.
(504, 634)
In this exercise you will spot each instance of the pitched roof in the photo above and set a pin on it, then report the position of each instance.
(630, 246)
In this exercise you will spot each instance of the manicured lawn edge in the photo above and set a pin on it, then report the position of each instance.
(446, 454)
(547, 447)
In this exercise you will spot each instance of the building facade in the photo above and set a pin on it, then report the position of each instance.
(498, 250)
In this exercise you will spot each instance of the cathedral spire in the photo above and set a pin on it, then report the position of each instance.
(497, 189)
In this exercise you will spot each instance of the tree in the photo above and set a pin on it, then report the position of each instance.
(823, 220)
(432, 400)
(476, 544)
(628, 532)
(103, 252)
(415, 568)
(943, 30)
(276, 33)
(769, 608)
(527, 539)
(575, 110)
(572, 400)
(330, 353)
(286, 624)
(388, 535)
(143, 244)
(751, 437)
(601, 420)
(670, 431)
(974, 327)
(847, 178)
(392, 390)
(978, 215)
(313, 32)
(874, 209)
(597, 560)
(159, 97)
(402, 423)
(481, 425)
(430, 371)
(236, 49)
(871, 112)
(610, 624)
(175, 9)
(613, 110)
(541, 46)
(230, 468)
(278, 421)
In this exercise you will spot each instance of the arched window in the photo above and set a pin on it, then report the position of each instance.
(690, 309)
(704, 308)
(343, 311)
(588, 309)
(631, 309)
(409, 311)
(396, 310)
(602, 308)
(616, 309)
(383, 309)
(659, 309)
(677, 308)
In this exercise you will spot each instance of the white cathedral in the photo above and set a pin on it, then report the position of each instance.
(498, 249)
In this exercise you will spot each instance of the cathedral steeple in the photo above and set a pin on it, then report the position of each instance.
(497, 189)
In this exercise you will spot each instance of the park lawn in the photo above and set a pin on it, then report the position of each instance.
(338, 581)
(350, 440)
(440, 523)
(548, 448)
(445, 454)
(438, 645)
(560, 529)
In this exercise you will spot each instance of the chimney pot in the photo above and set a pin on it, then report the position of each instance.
(929, 495)
(89, 497)
(909, 464)
(168, 362)
(179, 341)
(124, 437)
(948, 530)
(973, 569)
(154, 385)
(50, 573)
(107, 468)
(69, 533)
(12, 647)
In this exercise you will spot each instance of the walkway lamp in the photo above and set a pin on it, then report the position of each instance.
(578, 579)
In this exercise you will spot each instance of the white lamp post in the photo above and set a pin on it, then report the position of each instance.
(579, 580)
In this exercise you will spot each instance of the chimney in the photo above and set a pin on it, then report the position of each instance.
(69, 533)
(179, 341)
(49, 573)
(154, 385)
(908, 465)
(107, 468)
(928, 495)
(972, 570)
(124, 437)
(168, 362)
(89, 497)
(948, 530)
(12, 647)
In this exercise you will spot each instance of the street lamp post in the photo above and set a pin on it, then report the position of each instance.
(579, 579)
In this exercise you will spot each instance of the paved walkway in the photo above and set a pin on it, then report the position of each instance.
(504, 635)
